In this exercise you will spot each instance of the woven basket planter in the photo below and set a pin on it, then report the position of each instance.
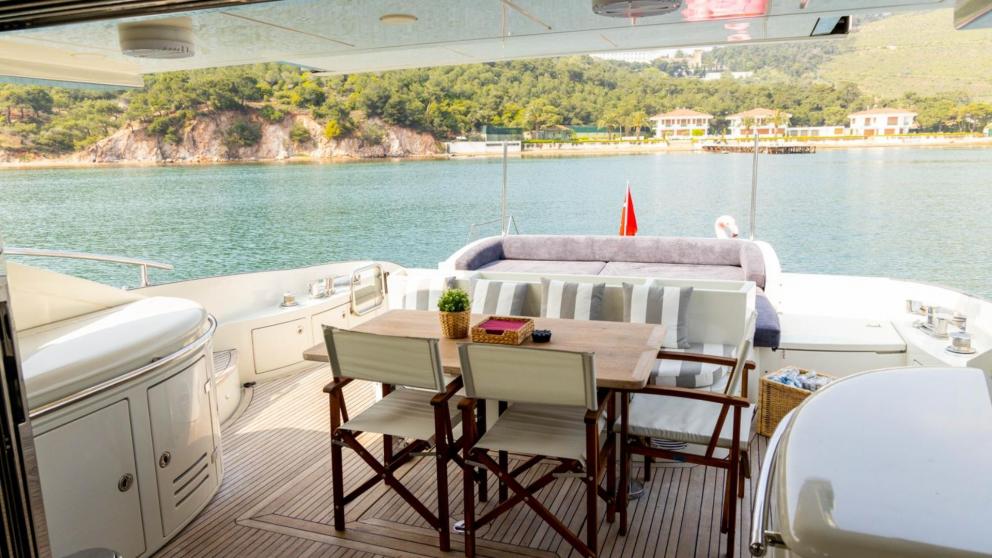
(775, 400)
(454, 325)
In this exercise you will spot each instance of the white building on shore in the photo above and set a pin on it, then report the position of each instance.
(764, 121)
(681, 122)
(882, 122)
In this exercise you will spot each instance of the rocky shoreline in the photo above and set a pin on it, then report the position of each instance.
(204, 142)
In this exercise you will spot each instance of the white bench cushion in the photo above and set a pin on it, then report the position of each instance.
(684, 420)
(65, 357)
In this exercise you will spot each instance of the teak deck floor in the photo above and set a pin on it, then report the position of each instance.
(276, 496)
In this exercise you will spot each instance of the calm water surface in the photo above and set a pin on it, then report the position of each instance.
(912, 213)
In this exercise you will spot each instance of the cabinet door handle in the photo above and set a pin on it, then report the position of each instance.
(125, 482)
(299, 330)
(164, 459)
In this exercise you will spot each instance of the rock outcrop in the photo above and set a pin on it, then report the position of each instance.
(204, 141)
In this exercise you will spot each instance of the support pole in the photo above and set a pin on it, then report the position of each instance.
(754, 187)
(504, 225)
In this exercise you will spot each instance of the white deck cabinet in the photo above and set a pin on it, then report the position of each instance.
(93, 502)
(837, 346)
(183, 438)
(127, 438)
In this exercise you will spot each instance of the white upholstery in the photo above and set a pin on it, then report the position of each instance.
(684, 420)
(548, 430)
(528, 375)
(406, 413)
(386, 359)
(65, 357)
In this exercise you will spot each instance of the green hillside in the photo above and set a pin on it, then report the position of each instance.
(920, 53)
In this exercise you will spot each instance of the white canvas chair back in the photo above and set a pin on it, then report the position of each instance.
(526, 375)
(743, 350)
(387, 359)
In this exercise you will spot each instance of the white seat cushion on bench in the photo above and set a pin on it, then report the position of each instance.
(65, 357)
(684, 420)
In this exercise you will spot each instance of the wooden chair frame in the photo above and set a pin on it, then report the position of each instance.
(600, 463)
(446, 450)
(733, 463)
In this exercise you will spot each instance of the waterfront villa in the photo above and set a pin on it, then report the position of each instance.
(882, 122)
(681, 122)
(815, 131)
(766, 122)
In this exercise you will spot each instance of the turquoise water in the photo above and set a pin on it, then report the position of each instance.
(921, 214)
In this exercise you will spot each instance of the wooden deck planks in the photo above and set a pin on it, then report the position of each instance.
(275, 499)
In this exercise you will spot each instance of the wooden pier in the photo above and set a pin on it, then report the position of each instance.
(769, 149)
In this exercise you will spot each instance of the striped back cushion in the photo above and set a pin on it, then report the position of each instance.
(420, 293)
(498, 297)
(684, 373)
(576, 301)
(652, 303)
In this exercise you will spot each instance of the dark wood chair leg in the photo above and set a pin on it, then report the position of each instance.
(504, 461)
(592, 487)
(469, 476)
(623, 491)
(337, 482)
(745, 472)
(732, 472)
(611, 456)
(441, 448)
(337, 465)
(648, 461)
(480, 429)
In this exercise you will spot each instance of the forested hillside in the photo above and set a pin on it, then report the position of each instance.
(817, 82)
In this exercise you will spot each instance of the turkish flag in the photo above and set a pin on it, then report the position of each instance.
(628, 221)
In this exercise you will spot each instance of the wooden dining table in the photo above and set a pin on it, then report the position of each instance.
(624, 352)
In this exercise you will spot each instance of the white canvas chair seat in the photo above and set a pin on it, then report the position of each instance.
(406, 413)
(680, 373)
(683, 420)
(533, 429)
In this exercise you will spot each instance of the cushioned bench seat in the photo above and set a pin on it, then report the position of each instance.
(69, 356)
(662, 257)
(673, 271)
(542, 266)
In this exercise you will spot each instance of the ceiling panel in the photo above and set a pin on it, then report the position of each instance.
(347, 35)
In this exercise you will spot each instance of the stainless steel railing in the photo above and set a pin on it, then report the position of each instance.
(761, 537)
(143, 265)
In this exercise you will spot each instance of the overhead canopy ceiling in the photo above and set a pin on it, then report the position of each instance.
(346, 36)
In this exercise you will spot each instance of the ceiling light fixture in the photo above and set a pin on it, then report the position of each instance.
(634, 8)
(163, 38)
(397, 19)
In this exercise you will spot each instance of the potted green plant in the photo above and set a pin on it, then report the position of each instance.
(456, 310)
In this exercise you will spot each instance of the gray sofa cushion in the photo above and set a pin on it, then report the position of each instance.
(544, 266)
(673, 271)
(741, 254)
(482, 252)
(578, 248)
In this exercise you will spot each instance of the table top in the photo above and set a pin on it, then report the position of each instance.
(624, 352)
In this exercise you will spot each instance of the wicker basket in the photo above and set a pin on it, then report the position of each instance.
(505, 337)
(454, 325)
(775, 400)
